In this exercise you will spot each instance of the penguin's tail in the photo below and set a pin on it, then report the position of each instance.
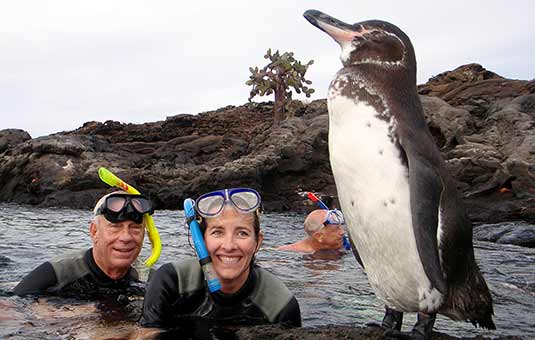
(470, 300)
(485, 323)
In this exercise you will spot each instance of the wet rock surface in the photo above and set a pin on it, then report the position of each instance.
(332, 332)
(520, 234)
(483, 124)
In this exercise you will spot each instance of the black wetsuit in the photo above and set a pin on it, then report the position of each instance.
(177, 295)
(76, 275)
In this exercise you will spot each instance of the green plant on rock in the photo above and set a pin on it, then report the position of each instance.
(281, 74)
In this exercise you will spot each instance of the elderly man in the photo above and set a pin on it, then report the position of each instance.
(117, 232)
(324, 229)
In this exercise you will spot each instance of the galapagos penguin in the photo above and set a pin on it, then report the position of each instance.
(403, 213)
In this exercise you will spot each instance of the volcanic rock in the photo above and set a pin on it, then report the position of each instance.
(482, 123)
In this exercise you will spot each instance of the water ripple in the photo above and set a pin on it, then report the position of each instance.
(330, 290)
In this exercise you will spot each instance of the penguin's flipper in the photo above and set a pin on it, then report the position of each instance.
(425, 194)
(356, 253)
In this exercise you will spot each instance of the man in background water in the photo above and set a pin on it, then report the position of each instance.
(324, 233)
(117, 232)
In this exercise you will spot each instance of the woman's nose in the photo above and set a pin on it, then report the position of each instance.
(229, 242)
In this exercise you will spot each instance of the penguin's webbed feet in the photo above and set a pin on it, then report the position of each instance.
(392, 320)
(422, 330)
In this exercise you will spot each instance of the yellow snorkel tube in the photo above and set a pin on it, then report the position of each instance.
(109, 178)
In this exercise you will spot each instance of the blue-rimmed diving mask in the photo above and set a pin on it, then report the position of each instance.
(243, 199)
(334, 217)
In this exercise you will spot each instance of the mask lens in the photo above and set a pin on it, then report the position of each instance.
(245, 200)
(141, 205)
(119, 208)
(115, 204)
(335, 217)
(210, 204)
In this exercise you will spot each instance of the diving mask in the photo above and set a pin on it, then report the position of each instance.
(119, 207)
(212, 203)
(334, 217)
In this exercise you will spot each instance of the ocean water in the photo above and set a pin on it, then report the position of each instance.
(330, 289)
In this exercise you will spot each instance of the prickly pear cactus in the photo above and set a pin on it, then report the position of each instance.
(279, 76)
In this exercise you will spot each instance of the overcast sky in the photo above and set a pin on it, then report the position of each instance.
(66, 62)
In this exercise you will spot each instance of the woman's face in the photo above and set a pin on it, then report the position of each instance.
(231, 243)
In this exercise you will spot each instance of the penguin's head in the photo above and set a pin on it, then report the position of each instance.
(367, 42)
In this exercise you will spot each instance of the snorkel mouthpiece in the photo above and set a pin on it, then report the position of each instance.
(200, 248)
(109, 178)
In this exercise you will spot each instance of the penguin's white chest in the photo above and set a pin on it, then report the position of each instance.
(373, 188)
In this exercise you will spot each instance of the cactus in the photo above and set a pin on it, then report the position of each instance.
(278, 77)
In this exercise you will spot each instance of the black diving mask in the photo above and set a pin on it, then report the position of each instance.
(121, 207)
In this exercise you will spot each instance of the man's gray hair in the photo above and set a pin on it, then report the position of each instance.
(314, 221)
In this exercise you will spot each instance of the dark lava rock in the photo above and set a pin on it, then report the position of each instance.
(520, 234)
(482, 123)
(12, 137)
(331, 332)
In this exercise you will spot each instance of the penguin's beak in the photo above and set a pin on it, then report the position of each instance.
(338, 30)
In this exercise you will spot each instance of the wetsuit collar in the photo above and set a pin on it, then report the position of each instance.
(241, 294)
(98, 274)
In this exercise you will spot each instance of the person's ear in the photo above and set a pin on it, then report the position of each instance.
(260, 239)
(93, 229)
(318, 235)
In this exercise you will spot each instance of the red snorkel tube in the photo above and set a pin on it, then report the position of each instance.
(311, 196)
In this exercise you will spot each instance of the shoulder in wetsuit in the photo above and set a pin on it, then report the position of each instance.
(177, 292)
(77, 275)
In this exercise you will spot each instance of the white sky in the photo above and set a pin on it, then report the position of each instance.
(66, 62)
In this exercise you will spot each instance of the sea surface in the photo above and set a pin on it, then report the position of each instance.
(330, 289)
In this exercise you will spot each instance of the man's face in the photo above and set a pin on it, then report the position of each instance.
(331, 236)
(115, 245)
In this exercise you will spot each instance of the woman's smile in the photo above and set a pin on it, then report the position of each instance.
(232, 243)
(229, 259)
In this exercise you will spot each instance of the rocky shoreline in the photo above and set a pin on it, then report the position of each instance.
(331, 332)
(483, 124)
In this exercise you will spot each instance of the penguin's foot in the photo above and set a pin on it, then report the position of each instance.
(392, 320)
(422, 330)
